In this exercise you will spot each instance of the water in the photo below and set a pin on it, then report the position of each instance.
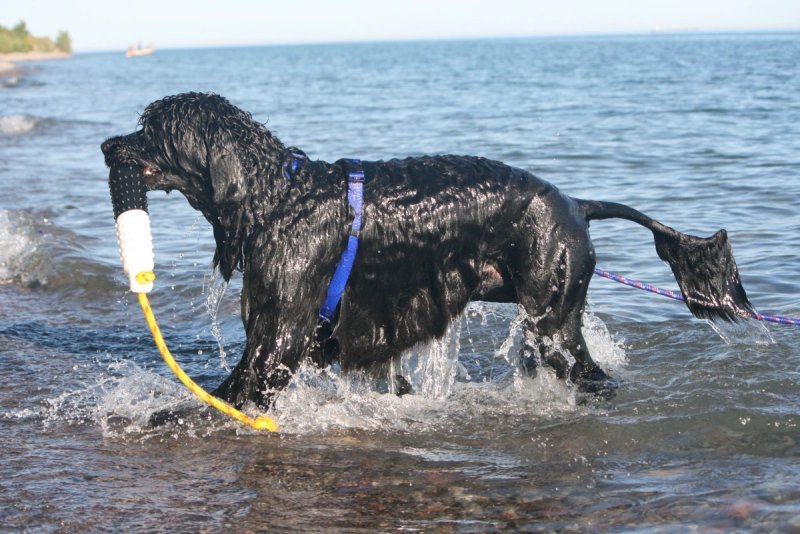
(699, 131)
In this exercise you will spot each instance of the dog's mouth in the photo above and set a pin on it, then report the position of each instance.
(152, 177)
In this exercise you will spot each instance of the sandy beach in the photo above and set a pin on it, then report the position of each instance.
(8, 61)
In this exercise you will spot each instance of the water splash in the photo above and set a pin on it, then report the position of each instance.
(123, 404)
(431, 367)
(217, 285)
(136, 395)
(82, 403)
(749, 332)
(607, 350)
(462, 379)
(459, 379)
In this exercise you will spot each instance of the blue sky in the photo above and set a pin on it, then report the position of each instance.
(110, 25)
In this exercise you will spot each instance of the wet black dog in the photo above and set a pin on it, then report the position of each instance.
(437, 233)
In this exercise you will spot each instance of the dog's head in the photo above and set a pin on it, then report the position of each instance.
(209, 150)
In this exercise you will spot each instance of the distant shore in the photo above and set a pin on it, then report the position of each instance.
(8, 61)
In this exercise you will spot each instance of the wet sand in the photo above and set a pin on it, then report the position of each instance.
(8, 62)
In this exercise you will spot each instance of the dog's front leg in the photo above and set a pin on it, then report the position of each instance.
(271, 356)
(279, 310)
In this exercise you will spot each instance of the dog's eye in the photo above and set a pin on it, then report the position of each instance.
(149, 171)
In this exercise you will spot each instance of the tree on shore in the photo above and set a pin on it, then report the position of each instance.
(19, 39)
(63, 41)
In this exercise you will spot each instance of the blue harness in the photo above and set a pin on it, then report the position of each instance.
(355, 197)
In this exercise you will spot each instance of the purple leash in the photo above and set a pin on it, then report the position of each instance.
(677, 295)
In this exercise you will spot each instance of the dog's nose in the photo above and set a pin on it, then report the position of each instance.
(108, 145)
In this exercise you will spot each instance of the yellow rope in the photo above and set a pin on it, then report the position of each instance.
(261, 422)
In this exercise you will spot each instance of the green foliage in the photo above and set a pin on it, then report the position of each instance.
(6, 41)
(20, 30)
(63, 41)
(19, 39)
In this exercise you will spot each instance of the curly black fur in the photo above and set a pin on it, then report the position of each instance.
(438, 232)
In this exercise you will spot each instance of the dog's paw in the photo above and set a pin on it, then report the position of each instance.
(172, 417)
(163, 418)
(594, 382)
(402, 386)
(599, 389)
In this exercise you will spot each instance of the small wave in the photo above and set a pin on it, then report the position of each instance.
(21, 236)
(37, 254)
(9, 81)
(18, 124)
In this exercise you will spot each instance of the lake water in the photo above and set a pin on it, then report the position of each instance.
(698, 131)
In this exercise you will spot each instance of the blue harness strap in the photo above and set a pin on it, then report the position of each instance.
(355, 197)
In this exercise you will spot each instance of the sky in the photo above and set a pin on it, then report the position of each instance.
(96, 25)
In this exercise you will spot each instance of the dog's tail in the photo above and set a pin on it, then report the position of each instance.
(704, 267)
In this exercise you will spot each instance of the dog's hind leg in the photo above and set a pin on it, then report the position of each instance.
(552, 333)
(555, 264)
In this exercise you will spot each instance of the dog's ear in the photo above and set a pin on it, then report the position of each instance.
(229, 189)
(239, 150)
(227, 175)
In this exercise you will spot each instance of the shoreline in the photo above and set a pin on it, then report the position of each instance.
(8, 62)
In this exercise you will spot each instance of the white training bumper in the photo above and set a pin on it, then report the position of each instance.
(135, 247)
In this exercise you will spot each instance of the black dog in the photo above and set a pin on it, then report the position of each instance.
(437, 233)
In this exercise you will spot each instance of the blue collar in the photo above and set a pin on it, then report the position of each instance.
(293, 162)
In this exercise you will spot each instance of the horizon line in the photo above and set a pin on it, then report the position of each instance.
(653, 32)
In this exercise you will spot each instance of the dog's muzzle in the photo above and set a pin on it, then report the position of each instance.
(129, 199)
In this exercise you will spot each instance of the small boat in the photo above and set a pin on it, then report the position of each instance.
(136, 51)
